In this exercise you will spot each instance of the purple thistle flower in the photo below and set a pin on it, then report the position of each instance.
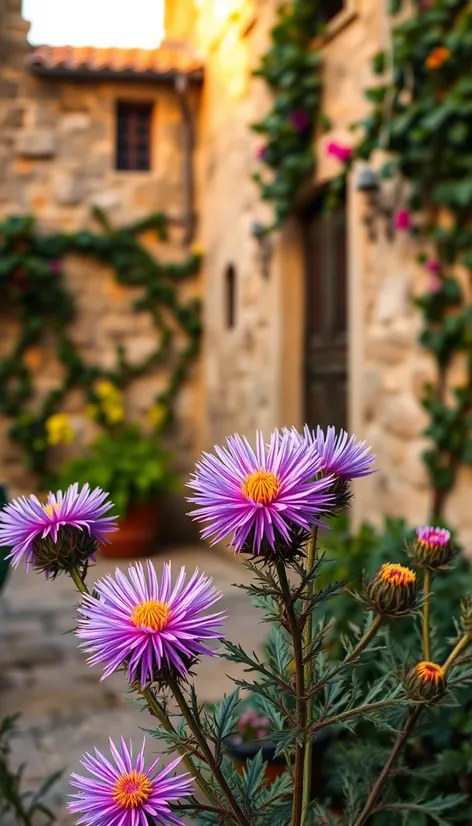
(433, 537)
(339, 454)
(156, 629)
(125, 793)
(24, 522)
(259, 495)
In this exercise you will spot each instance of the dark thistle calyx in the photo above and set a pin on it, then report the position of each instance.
(432, 548)
(72, 551)
(284, 551)
(392, 591)
(426, 683)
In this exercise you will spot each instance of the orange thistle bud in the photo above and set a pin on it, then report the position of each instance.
(392, 590)
(437, 57)
(426, 682)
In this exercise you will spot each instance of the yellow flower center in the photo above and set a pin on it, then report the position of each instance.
(430, 672)
(396, 574)
(132, 789)
(262, 487)
(49, 509)
(152, 614)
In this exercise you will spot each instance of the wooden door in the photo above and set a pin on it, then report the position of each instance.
(326, 317)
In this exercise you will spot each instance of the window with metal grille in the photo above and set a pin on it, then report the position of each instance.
(133, 136)
(329, 9)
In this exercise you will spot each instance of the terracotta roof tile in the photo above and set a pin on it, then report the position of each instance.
(170, 58)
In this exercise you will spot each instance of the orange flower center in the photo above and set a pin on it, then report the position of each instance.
(132, 789)
(437, 57)
(429, 672)
(151, 614)
(262, 487)
(396, 574)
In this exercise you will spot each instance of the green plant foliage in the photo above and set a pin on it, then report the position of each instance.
(132, 467)
(422, 115)
(32, 286)
(291, 69)
(440, 751)
(26, 807)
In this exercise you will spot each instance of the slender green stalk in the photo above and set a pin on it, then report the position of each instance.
(460, 647)
(353, 712)
(363, 643)
(299, 695)
(157, 710)
(307, 643)
(403, 736)
(426, 593)
(208, 755)
(78, 581)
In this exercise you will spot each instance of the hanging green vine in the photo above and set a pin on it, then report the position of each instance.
(422, 116)
(32, 286)
(292, 70)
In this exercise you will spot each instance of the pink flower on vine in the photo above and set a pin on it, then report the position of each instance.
(402, 220)
(340, 152)
(433, 265)
(434, 285)
(261, 153)
(300, 119)
(55, 266)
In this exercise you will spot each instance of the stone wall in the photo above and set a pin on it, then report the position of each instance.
(253, 372)
(57, 161)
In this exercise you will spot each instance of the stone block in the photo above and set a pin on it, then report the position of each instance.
(36, 143)
(13, 116)
(75, 122)
(402, 415)
(68, 190)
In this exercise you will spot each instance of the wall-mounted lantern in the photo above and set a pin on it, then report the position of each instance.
(381, 206)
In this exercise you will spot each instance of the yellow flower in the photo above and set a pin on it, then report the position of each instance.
(156, 415)
(437, 57)
(111, 404)
(91, 411)
(59, 430)
(429, 672)
(426, 683)
(106, 390)
(197, 251)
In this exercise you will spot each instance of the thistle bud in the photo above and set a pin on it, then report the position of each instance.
(432, 548)
(426, 683)
(72, 550)
(392, 590)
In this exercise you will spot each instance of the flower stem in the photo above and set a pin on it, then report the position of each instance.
(363, 643)
(410, 723)
(78, 581)
(308, 671)
(426, 592)
(299, 695)
(461, 645)
(207, 753)
(157, 710)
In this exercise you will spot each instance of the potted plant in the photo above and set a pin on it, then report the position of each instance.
(132, 465)
(252, 735)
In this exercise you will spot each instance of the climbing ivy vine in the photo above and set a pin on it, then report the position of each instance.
(422, 117)
(291, 68)
(34, 289)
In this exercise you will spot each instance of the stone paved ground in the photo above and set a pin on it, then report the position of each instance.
(65, 709)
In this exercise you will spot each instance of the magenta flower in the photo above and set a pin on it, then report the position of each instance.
(402, 220)
(300, 119)
(151, 626)
(340, 152)
(261, 153)
(259, 495)
(433, 265)
(339, 454)
(24, 522)
(124, 792)
(434, 285)
(433, 537)
(55, 266)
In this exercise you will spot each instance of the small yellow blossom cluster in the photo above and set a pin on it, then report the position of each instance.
(110, 405)
(157, 415)
(59, 430)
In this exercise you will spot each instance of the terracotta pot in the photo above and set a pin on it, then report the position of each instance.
(241, 752)
(137, 533)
